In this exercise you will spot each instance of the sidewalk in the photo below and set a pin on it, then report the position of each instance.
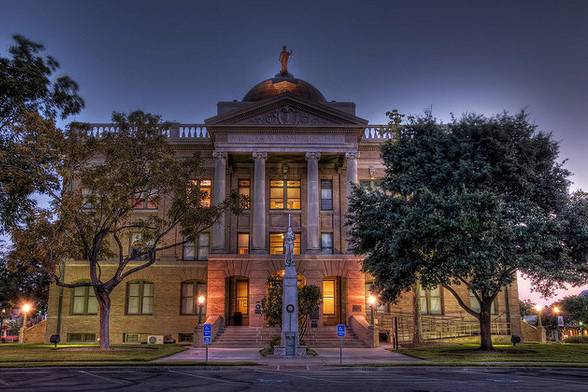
(326, 356)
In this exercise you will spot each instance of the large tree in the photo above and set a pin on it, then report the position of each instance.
(470, 203)
(32, 97)
(93, 213)
(576, 308)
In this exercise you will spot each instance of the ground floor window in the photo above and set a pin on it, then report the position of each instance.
(430, 301)
(329, 296)
(81, 337)
(131, 338)
(191, 291)
(185, 337)
(140, 298)
(475, 304)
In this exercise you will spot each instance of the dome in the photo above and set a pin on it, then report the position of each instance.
(281, 84)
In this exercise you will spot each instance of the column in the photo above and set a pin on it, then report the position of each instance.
(218, 196)
(258, 235)
(312, 203)
(351, 158)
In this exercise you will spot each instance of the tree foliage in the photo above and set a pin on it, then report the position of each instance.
(31, 99)
(93, 214)
(470, 203)
(576, 308)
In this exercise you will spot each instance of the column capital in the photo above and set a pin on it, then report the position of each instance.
(313, 155)
(219, 155)
(259, 155)
(352, 155)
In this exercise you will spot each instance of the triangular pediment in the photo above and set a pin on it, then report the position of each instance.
(286, 110)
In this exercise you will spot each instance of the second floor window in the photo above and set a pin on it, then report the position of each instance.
(84, 300)
(430, 301)
(245, 191)
(145, 201)
(284, 195)
(198, 249)
(326, 195)
(277, 244)
(205, 187)
(243, 243)
(140, 298)
(326, 243)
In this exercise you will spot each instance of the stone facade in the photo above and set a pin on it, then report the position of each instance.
(279, 138)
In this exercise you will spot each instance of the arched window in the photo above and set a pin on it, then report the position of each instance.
(140, 297)
(190, 292)
(83, 300)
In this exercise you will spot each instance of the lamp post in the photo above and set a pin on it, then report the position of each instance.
(199, 324)
(25, 309)
(539, 308)
(372, 302)
(556, 311)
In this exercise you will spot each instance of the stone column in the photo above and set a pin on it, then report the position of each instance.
(258, 235)
(351, 158)
(218, 196)
(312, 203)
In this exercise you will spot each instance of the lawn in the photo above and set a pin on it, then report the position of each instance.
(522, 353)
(34, 354)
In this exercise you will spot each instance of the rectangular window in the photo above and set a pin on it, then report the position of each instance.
(242, 296)
(197, 250)
(131, 338)
(475, 304)
(277, 243)
(205, 187)
(191, 291)
(430, 301)
(185, 337)
(140, 298)
(243, 243)
(145, 201)
(285, 194)
(327, 243)
(245, 191)
(84, 300)
(326, 195)
(81, 337)
(137, 247)
(329, 297)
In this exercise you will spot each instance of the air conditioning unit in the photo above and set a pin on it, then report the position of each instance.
(155, 339)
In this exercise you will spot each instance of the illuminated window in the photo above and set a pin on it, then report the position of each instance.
(140, 298)
(430, 301)
(190, 293)
(205, 188)
(198, 249)
(326, 243)
(277, 243)
(242, 296)
(145, 201)
(84, 301)
(326, 195)
(137, 247)
(329, 296)
(284, 195)
(243, 243)
(475, 304)
(245, 191)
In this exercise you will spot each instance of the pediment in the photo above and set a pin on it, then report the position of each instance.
(286, 110)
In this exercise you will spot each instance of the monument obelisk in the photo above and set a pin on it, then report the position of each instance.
(290, 343)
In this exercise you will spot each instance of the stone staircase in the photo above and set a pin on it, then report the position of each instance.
(250, 337)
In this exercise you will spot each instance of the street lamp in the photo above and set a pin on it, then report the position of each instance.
(371, 302)
(539, 308)
(556, 311)
(197, 328)
(25, 309)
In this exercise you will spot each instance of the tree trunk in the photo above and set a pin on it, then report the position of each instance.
(103, 298)
(417, 338)
(486, 326)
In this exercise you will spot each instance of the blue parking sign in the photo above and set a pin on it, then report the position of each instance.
(207, 340)
(207, 330)
(341, 330)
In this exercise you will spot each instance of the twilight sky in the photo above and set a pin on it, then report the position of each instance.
(178, 58)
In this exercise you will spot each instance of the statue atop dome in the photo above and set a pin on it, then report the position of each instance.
(285, 55)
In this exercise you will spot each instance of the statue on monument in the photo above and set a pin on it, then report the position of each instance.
(284, 57)
(289, 246)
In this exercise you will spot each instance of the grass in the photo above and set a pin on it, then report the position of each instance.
(37, 354)
(523, 354)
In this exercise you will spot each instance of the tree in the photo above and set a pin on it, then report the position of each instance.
(271, 305)
(527, 307)
(470, 203)
(92, 214)
(576, 307)
(31, 98)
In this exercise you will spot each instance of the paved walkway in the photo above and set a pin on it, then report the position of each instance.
(326, 356)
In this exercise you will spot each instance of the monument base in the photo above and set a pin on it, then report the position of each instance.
(280, 351)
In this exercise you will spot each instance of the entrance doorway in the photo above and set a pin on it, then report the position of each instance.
(237, 297)
(334, 300)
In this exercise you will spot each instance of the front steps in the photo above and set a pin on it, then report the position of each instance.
(249, 337)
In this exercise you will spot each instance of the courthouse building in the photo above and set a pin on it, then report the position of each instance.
(296, 155)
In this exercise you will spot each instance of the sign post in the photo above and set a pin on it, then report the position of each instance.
(207, 337)
(341, 335)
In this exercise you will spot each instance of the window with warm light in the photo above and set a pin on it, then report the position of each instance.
(145, 201)
(205, 187)
(243, 243)
(84, 300)
(197, 249)
(140, 297)
(326, 195)
(430, 301)
(242, 305)
(277, 243)
(329, 296)
(245, 191)
(285, 194)
(190, 293)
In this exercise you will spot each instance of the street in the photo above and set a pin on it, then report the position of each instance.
(293, 378)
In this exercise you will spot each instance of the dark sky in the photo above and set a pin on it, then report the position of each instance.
(178, 58)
